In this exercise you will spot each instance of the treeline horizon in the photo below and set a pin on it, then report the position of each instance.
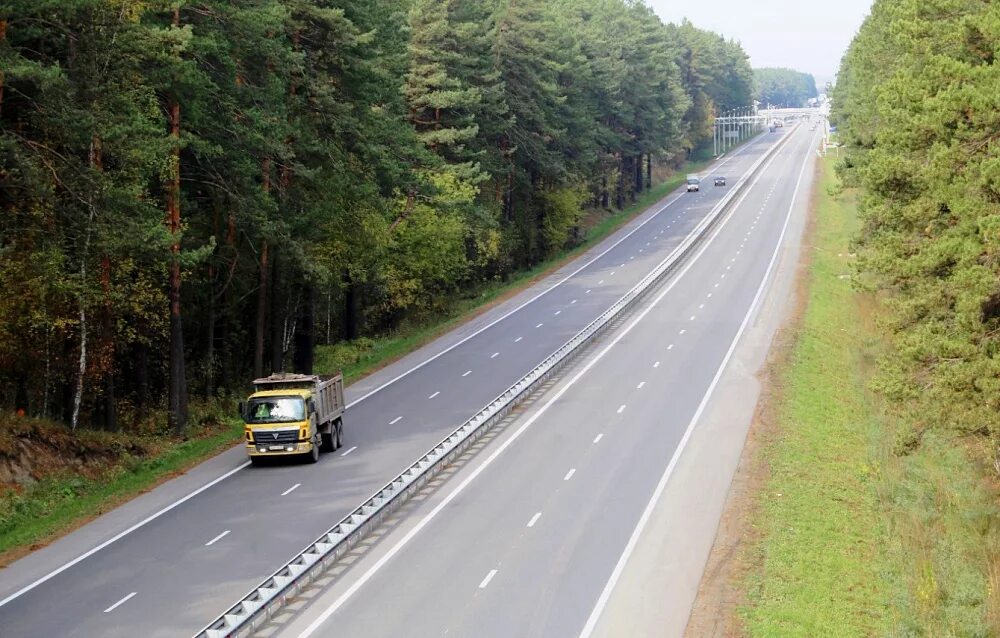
(189, 189)
(783, 87)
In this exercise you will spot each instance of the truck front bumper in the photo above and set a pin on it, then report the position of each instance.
(261, 449)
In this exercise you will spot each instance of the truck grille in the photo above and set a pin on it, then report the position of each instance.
(275, 437)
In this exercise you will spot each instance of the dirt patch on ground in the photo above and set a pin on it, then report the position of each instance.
(715, 613)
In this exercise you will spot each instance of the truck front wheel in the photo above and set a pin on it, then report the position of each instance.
(313, 455)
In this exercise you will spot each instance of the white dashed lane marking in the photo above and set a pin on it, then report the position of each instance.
(219, 537)
(117, 604)
(489, 577)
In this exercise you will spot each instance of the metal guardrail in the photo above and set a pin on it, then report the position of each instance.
(260, 605)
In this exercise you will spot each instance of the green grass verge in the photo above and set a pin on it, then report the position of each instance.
(63, 501)
(855, 537)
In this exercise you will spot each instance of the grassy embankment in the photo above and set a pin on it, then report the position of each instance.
(106, 470)
(857, 534)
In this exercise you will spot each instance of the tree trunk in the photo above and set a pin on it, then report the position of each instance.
(620, 186)
(305, 335)
(108, 349)
(605, 194)
(258, 348)
(177, 387)
(350, 308)
(649, 170)
(277, 317)
(141, 379)
(639, 173)
(3, 36)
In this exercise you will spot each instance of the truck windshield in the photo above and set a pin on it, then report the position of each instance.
(275, 410)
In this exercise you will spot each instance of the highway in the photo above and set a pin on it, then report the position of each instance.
(170, 572)
(531, 538)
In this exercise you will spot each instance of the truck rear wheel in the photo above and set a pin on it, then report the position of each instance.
(340, 434)
(329, 440)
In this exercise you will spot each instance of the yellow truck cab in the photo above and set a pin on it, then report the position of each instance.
(294, 414)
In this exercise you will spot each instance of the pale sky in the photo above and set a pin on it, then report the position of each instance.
(804, 35)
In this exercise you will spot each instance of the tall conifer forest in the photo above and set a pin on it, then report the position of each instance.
(197, 192)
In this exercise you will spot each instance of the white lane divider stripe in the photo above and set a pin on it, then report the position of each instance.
(621, 409)
(557, 312)
(489, 577)
(434, 395)
(540, 325)
(656, 365)
(597, 439)
(219, 537)
(396, 420)
(534, 519)
(120, 602)
(467, 373)
(291, 489)
(569, 474)
(349, 451)
(494, 355)
(518, 339)
(639, 387)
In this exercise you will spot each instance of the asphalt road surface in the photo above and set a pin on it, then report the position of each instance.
(170, 572)
(530, 539)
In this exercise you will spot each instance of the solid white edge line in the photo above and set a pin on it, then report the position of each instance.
(219, 537)
(416, 529)
(119, 603)
(201, 489)
(602, 601)
(65, 566)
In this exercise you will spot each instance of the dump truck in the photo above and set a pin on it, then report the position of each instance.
(294, 415)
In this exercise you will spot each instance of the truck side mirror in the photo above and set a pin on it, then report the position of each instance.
(312, 405)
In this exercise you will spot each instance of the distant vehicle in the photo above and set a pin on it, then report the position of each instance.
(294, 414)
(720, 180)
(778, 124)
(693, 183)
